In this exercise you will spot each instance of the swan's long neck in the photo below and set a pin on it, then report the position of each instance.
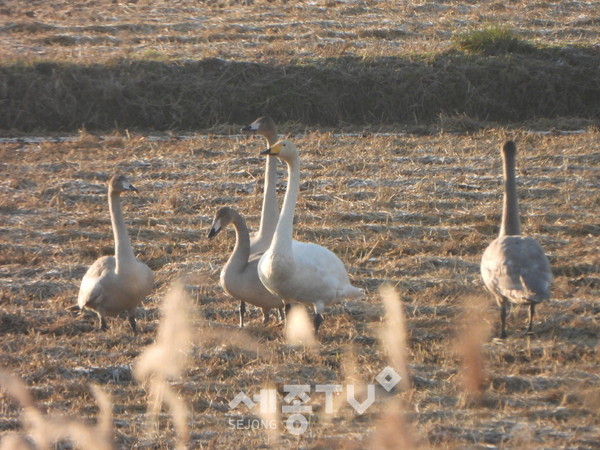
(270, 209)
(241, 252)
(123, 251)
(511, 223)
(282, 241)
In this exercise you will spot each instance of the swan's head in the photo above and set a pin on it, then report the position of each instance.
(265, 126)
(120, 183)
(284, 149)
(223, 217)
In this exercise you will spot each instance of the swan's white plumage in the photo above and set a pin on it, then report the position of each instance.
(312, 273)
(297, 271)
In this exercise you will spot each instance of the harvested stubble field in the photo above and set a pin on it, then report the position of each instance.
(412, 211)
(415, 212)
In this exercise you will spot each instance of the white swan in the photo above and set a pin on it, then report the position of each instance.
(239, 276)
(303, 272)
(116, 283)
(260, 241)
(514, 268)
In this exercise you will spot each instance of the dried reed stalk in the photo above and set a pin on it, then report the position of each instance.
(299, 329)
(166, 359)
(473, 331)
(44, 431)
(393, 334)
(394, 431)
(270, 416)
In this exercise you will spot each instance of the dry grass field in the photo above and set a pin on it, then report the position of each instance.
(273, 31)
(408, 210)
(415, 212)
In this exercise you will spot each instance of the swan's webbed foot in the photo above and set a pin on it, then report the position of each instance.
(74, 309)
(102, 323)
(265, 316)
(131, 319)
(318, 320)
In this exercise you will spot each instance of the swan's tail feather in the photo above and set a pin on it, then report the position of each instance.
(351, 292)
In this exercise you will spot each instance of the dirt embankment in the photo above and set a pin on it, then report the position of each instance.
(504, 89)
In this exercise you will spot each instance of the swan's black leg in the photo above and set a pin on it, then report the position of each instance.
(132, 322)
(102, 322)
(318, 321)
(503, 319)
(531, 314)
(242, 312)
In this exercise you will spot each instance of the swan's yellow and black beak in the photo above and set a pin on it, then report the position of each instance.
(273, 150)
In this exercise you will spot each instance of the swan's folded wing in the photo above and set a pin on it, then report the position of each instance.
(147, 277)
(517, 268)
(91, 289)
(322, 267)
(536, 275)
(316, 260)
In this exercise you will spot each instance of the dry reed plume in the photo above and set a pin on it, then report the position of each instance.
(394, 431)
(270, 417)
(393, 334)
(473, 331)
(299, 329)
(166, 359)
(44, 431)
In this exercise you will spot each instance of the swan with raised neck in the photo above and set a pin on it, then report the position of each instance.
(514, 268)
(299, 272)
(118, 283)
(260, 241)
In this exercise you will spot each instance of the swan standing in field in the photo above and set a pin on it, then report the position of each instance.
(116, 283)
(303, 272)
(514, 268)
(260, 241)
(239, 276)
